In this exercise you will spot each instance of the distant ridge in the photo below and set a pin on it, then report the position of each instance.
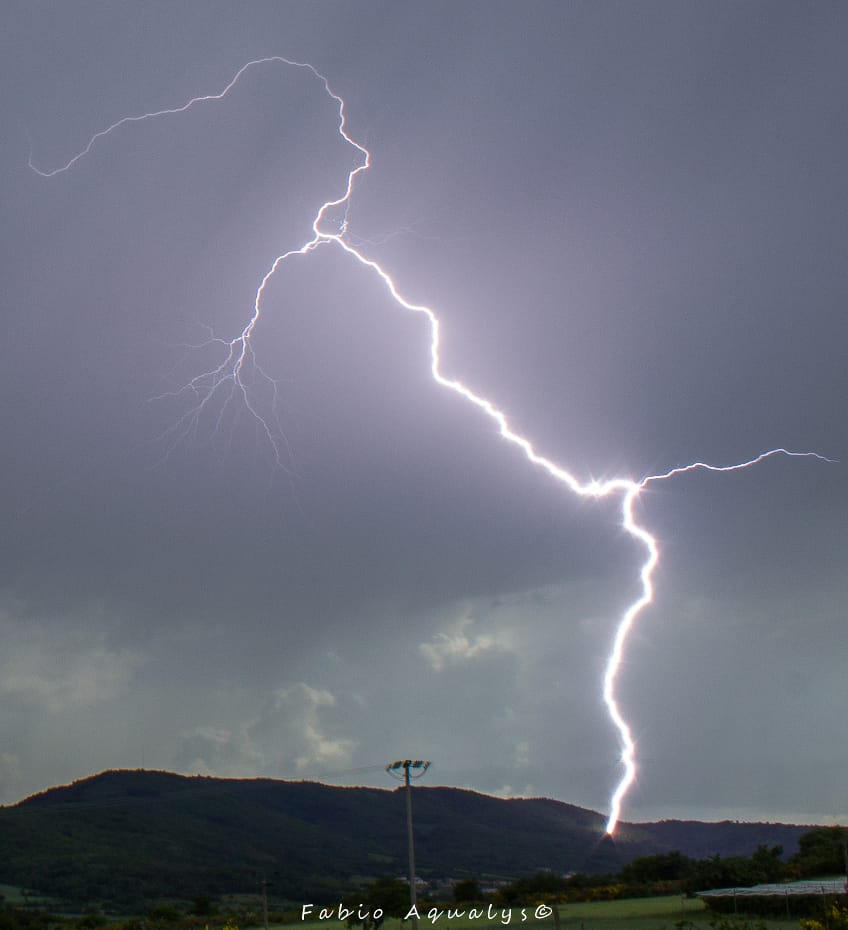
(124, 838)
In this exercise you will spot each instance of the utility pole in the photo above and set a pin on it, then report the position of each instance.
(845, 858)
(394, 768)
(264, 884)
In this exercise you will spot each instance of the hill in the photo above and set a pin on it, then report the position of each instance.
(128, 837)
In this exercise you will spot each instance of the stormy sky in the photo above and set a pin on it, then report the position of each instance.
(631, 220)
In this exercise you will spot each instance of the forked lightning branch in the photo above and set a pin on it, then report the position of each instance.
(235, 379)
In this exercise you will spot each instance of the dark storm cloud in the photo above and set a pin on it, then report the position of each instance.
(631, 222)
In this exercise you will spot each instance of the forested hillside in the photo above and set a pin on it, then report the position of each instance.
(126, 837)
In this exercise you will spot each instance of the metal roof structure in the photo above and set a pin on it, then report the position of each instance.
(821, 886)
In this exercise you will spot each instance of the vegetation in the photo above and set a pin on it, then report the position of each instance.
(467, 890)
(822, 851)
(665, 873)
(144, 842)
(649, 876)
(661, 913)
(834, 917)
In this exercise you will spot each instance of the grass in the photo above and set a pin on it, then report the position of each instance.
(16, 897)
(11, 894)
(635, 913)
(629, 914)
(647, 914)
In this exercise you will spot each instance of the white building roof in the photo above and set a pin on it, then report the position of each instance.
(812, 886)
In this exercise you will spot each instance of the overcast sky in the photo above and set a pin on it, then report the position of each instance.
(631, 220)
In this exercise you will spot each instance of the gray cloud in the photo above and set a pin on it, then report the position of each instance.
(631, 222)
(62, 664)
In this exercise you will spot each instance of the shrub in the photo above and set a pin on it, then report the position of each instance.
(835, 917)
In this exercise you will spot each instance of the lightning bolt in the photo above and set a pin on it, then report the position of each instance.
(235, 379)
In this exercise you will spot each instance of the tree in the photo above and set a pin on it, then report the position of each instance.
(767, 865)
(664, 867)
(387, 897)
(467, 890)
(821, 852)
(718, 872)
(165, 912)
(202, 906)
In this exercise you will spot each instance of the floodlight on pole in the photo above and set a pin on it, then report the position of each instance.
(420, 767)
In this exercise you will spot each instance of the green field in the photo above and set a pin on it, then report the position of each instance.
(646, 914)
(631, 914)
(14, 896)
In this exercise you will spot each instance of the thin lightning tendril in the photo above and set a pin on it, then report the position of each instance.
(233, 376)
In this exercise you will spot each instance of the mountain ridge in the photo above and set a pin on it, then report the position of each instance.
(123, 837)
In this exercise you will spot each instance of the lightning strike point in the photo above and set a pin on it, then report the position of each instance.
(232, 380)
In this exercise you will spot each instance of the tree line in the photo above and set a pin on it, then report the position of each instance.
(821, 851)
